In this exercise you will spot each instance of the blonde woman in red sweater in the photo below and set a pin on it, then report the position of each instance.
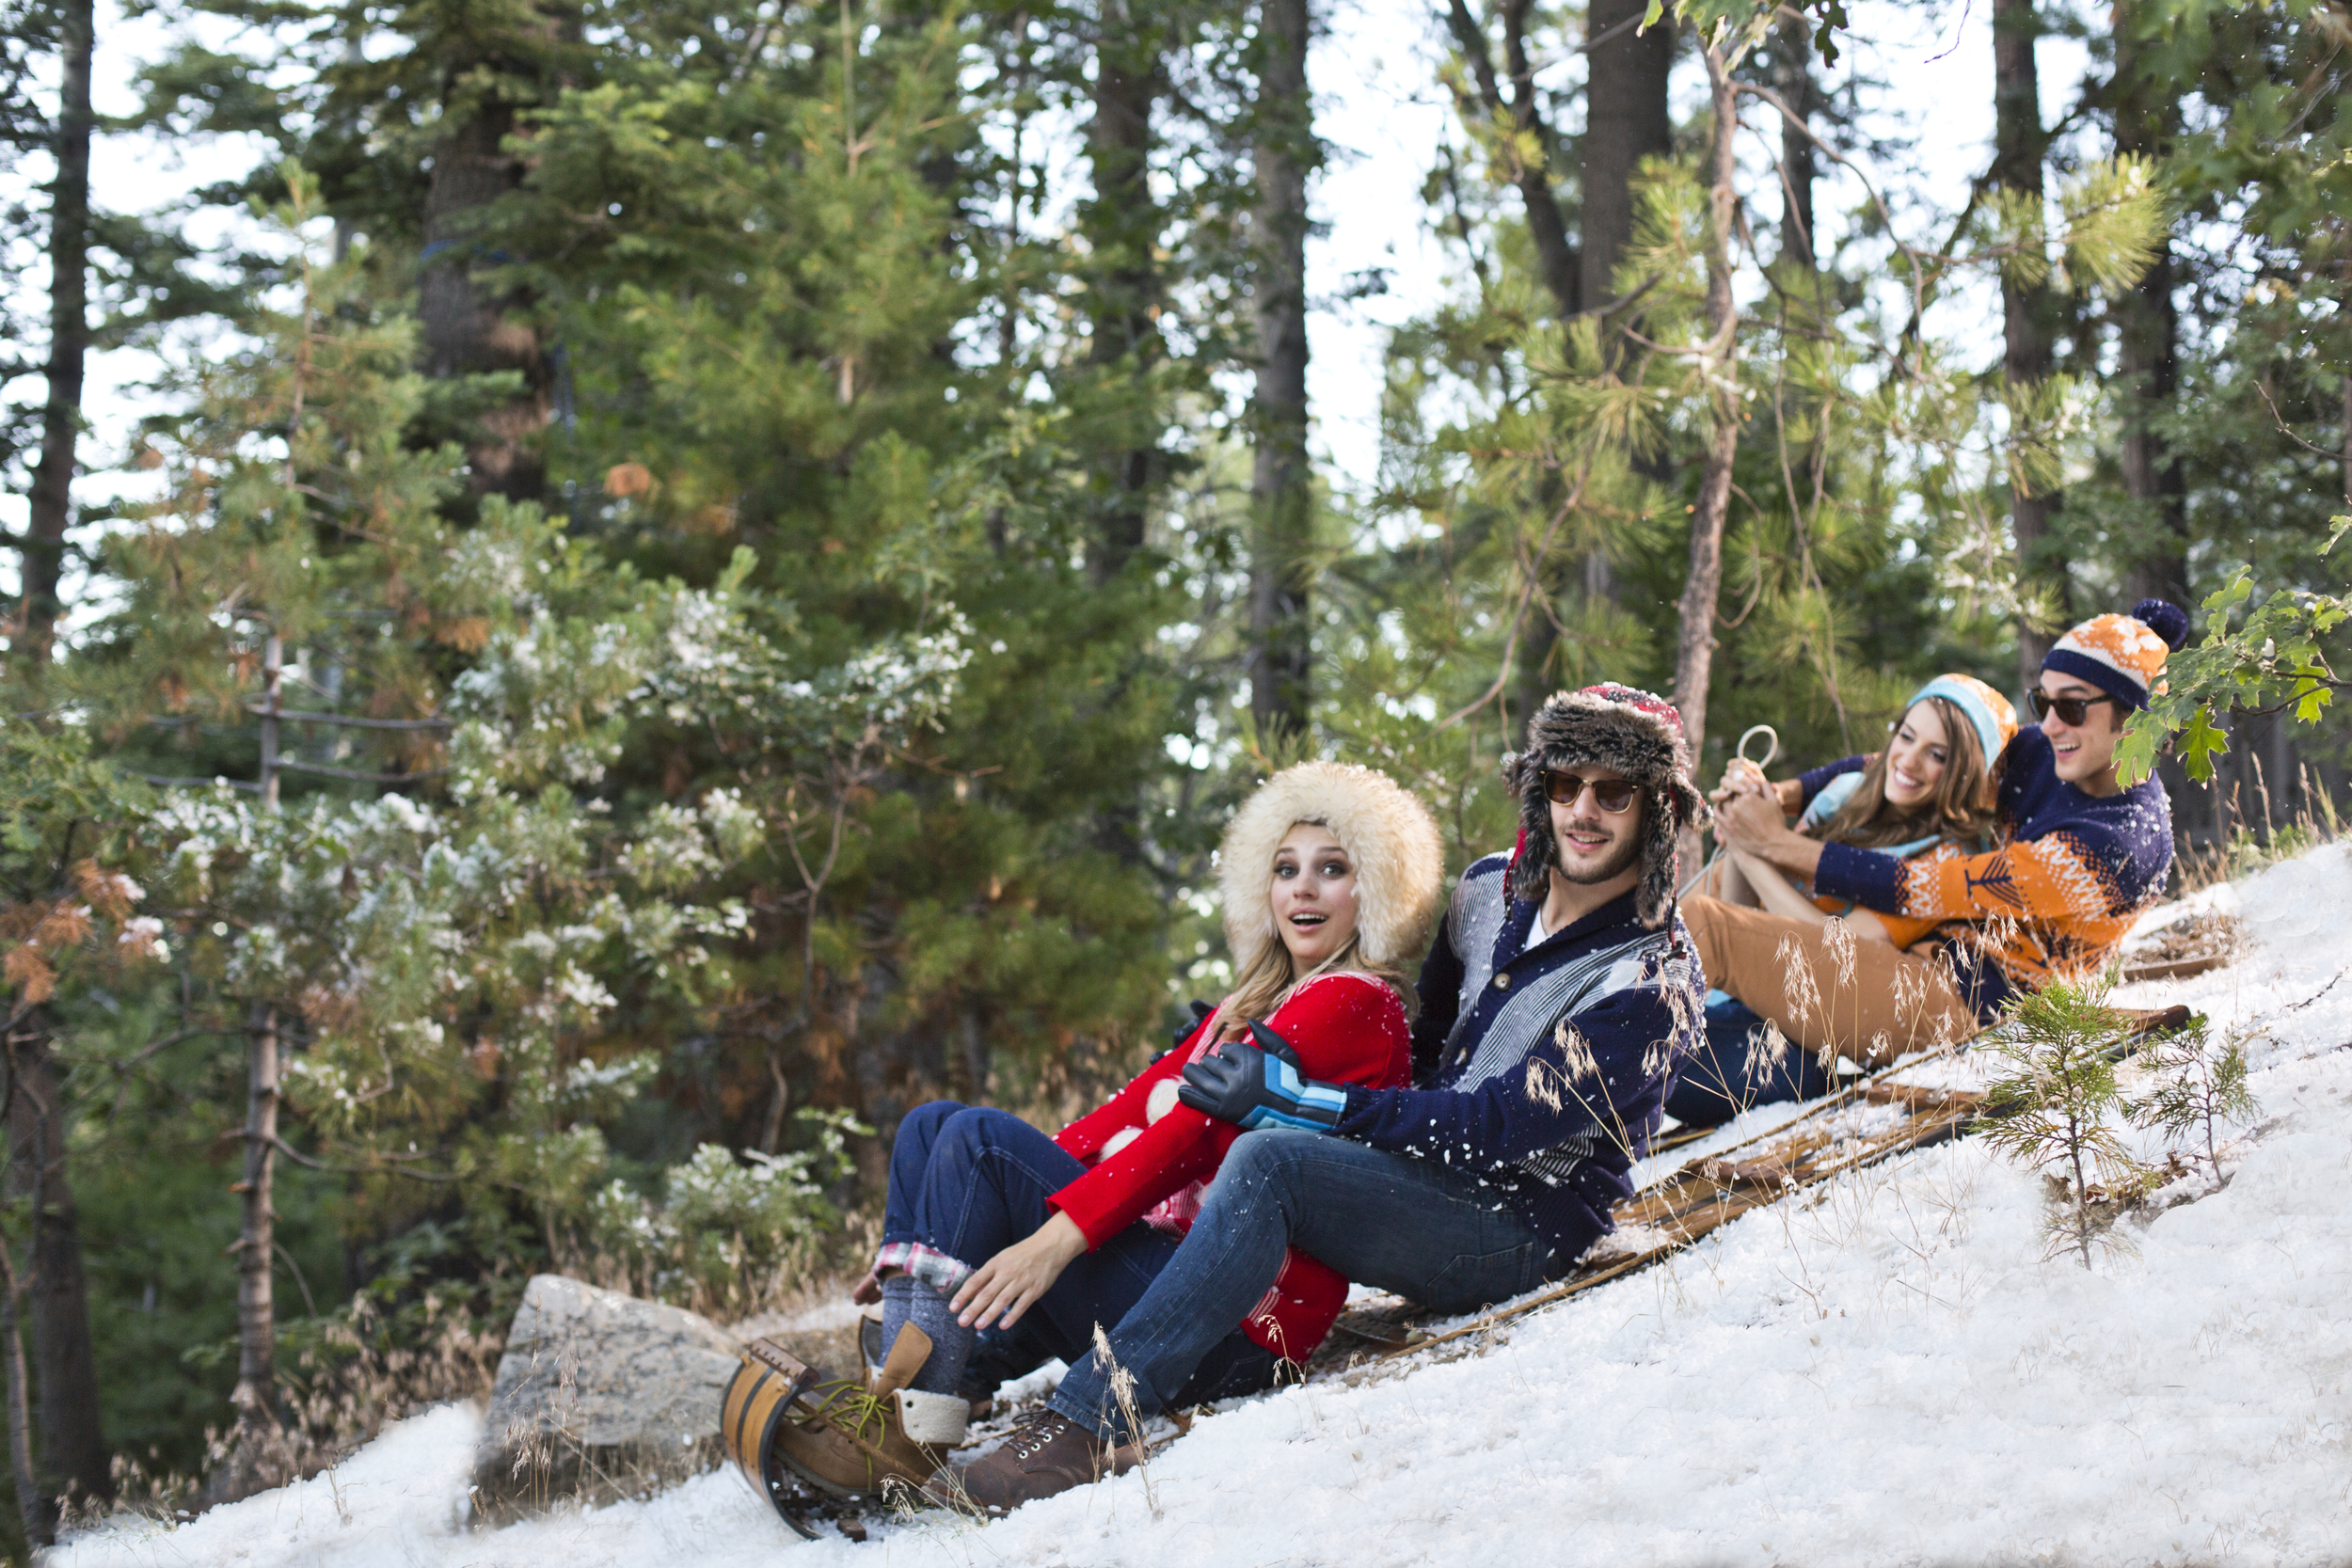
(1330, 876)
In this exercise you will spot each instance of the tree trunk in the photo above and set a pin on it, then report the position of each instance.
(71, 1452)
(50, 502)
(1556, 255)
(1694, 650)
(1539, 639)
(973, 1063)
(1281, 490)
(470, 329)
(28, 1490)
(2148, 361)
(258, 1451)
(1625, 120)
(1792, 77)
(1123, 225)
(2020, 149)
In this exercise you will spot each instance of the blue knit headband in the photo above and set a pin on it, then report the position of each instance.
(1969, 703)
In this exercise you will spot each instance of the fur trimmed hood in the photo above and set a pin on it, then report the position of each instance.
(1632, 733)
(1400, 863)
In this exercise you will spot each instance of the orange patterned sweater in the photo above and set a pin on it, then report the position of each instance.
(2050, 901)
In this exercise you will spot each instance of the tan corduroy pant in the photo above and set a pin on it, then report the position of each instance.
(1820, 988)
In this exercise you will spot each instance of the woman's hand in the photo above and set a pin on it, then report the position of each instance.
(1010, 1282)
(1750, 822)
(1740, 777)
(1743, 777)
(1754, 823)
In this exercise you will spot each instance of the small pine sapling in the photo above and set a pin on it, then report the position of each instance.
(2054, 1106)
(2194, 1092)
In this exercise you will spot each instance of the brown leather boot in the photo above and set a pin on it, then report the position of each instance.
(1047, 1454)
(852, 1438)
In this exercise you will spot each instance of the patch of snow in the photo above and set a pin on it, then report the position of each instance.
(1885, 1368)
(2221, 898)
(400, 1500)
(1035, 1386)
(2283, 993)
(1949, 1069)
(1749, 1124)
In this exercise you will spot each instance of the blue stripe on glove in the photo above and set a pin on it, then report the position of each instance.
(1260, 1085)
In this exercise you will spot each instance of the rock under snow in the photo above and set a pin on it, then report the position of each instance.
(599, 1395)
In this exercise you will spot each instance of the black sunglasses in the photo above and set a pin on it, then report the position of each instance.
(2073, 711)
(1610, 795)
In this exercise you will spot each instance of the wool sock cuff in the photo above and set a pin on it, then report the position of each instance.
(909, 1300)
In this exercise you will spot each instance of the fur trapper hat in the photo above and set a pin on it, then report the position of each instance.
(1400, 864)
(1632, 733)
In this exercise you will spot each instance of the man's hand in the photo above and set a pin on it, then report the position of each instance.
(1011, 1281)
(1260, 1083)
(867, 1291)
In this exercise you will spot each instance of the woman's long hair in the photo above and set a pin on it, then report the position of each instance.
(1961, 808)
(1268, 983)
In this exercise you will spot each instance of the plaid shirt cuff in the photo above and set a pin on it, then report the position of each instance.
(936, 1269)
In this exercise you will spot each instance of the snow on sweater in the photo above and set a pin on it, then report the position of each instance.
(1148, 1149)
(1543, 1068)
(2050, 901)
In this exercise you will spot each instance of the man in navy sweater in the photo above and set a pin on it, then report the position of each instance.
(1555, 1004)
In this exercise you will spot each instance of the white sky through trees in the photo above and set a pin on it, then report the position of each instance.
(1379, 106)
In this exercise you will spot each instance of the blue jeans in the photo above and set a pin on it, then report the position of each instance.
(1442, 1237)
(969, 1181)
(1732, 1073)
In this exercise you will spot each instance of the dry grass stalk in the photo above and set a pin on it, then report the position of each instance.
(1122, 1388)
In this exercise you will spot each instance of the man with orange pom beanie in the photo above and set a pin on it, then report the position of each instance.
(2081, 856)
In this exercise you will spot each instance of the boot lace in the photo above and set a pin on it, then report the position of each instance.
(845, 1404)
(1031, 1437)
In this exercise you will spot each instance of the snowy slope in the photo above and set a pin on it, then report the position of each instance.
(1887, 1372)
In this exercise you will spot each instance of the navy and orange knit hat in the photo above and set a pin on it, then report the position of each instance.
(2122, 654)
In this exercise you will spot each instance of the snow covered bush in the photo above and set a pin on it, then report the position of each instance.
(727, 1229)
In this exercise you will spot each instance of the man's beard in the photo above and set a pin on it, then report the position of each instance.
(1615, 865)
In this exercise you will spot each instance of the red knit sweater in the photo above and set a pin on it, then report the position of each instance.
(1347, 1029)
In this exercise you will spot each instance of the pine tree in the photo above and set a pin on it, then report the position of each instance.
(2058, 1101)
(416, 975)
(769, 376)
(2195, 1089)
(68, 924)
(1281, 492)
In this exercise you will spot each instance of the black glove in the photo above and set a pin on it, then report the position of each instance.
(1184, 1031)
(1260, 1085)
